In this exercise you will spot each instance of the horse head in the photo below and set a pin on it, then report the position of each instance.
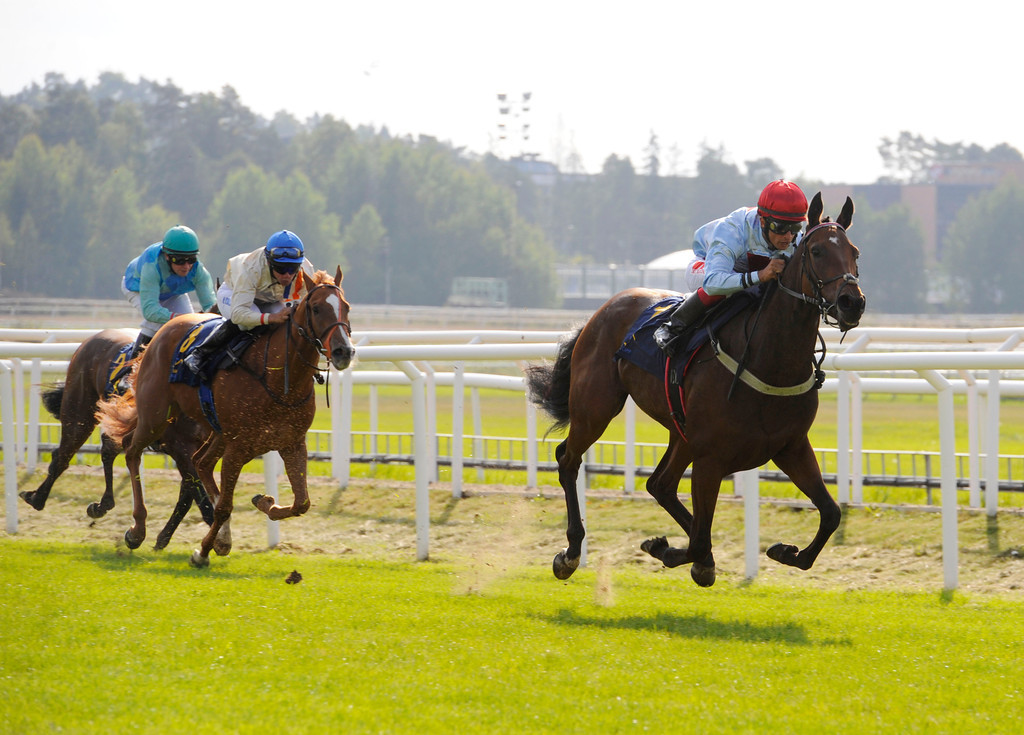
(322, 317)
(828, 267)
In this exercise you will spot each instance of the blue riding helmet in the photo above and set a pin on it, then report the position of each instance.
(284, 247)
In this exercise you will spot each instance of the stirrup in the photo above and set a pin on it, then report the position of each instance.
(194, 362)
(666, 339)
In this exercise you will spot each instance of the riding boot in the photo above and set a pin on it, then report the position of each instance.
(687, 313)
(141, 341)
(219, 337)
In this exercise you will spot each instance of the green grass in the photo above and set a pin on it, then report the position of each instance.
(96, 639)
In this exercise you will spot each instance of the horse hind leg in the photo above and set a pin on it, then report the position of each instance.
(570, 453)
(108, 453)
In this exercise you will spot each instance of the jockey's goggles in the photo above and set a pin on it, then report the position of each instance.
(286, 253)
(181, 259)
(284, 267)
(782, 227)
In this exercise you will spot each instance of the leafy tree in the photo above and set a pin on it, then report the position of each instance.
(720, 187)
(7, 245)
(253, 205)
(367, 251)
(985, 250)
(911, 158)
(69, 115)
(892, 263)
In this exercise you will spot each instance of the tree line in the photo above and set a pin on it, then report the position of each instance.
(90, 175)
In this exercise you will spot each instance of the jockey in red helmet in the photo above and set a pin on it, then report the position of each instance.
(736, 252)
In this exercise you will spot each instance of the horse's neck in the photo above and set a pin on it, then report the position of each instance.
(783, 340)
(288, 346)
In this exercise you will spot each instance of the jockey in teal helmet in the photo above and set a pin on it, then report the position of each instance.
(158, 281)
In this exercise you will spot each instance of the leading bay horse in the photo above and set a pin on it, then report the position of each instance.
(74, 402)
(729, 425)
(266, 403)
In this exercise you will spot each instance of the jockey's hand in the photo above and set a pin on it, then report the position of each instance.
(280, 317)
(772, 270)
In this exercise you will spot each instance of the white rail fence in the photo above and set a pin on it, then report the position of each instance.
(982, 364)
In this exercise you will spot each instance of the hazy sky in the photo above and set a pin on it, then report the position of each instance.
(813, 85)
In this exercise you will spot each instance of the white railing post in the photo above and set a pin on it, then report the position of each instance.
(947, 443)
(629, 469)
(271, 469)
(458, 419)
(751, 522)
(10, 450)
(423, 469)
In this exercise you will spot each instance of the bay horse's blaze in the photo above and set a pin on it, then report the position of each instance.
(267, 403)
(730, 426)
(74, 402)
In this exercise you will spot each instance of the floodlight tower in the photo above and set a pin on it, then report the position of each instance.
(514, 124)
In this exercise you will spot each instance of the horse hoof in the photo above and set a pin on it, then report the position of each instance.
(256, 500)
(221, 549)
(198, 561)
(655, 546)
(130, 542)
(563, 566)
(704, 576)
(783, 554)
(95, 510)
(161, 543)
(29, 497)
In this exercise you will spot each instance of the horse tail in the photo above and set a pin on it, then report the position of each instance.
(548, 385)
(52, 398)
(118, 416)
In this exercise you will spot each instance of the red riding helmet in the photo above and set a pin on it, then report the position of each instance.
(782, 200)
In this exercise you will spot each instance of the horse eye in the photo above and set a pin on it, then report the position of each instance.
(816, 250)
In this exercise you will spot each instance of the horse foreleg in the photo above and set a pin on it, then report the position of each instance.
(802, 468)
(135, 535)
(72, 438)
(295, 458)
(663, 484)
(207, 492)
(230, 469)
(704, 488)
(189, 490)
(108, 453)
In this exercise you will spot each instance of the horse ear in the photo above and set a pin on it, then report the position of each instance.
(814, 211)
(846, 216)
(338, 276)
(297, 286)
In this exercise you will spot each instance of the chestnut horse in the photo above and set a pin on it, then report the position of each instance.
(730, 426)
(74, 403)
(266, 403)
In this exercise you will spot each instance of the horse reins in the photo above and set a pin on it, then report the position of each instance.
(319, 343)
(307, 334)
(818, 301)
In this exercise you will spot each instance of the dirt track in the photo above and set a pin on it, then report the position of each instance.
(495, 528)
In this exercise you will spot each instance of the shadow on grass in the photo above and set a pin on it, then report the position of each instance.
(700, 626)
(120, 559)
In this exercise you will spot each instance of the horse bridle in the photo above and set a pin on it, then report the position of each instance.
(817, 284)
(308, 333)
